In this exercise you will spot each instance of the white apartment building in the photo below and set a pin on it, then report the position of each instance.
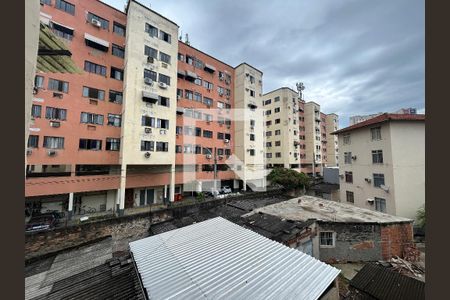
(382, 164)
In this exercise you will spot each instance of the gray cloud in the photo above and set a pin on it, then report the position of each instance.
(354, 56)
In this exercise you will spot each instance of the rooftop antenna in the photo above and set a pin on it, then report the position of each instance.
(300, 89)
(186, 40)
(181, 36)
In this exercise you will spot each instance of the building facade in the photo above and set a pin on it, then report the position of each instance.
(382, 166)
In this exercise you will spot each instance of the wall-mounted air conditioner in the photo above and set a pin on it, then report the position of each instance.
(96, 23)
(55, 124)
(384, 188)
(162, 85)
(51, 152)
(226, 141)
(368, 180)
(148, 81)
(147, 154)
(150, 59)
(208, 156)
(148, 130)
(354, 157)
(29, 151)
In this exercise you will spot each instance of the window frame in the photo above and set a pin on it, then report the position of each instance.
(327, 245)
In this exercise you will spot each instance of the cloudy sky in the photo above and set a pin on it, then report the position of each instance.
(354, 56)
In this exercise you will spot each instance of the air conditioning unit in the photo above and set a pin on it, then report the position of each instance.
(341, 175)
(368, 180)
(57, 95)
(55, 124)
(208, 156)
(147, 154)
(384, 188)
(162, 85)
(96, 23)
(29, 151)
(354, 157)
(51, 152)
(148, 130)
(370, 200)
(220, 157)
(148, 81)
(163, 131)
(150, 59)
(164, 65)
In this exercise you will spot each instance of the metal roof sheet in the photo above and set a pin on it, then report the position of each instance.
(219, 259)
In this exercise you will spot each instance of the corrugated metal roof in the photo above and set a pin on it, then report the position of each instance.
(382, 283)
(217, 259)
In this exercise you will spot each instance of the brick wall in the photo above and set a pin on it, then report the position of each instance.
(395, 239)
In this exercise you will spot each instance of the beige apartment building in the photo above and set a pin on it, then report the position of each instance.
(382, 166)
(297, 133)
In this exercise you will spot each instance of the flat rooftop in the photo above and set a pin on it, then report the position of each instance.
(307, 207)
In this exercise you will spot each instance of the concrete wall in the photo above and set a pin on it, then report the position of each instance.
(332, 124)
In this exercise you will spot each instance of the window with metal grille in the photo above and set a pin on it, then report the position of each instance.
(380, 204)
(53, 142)
(58, 85)
(350, 197)
(349, 177)
(36, 111)
(377, 156)
(53, 113)
(378, 180)
(112, 144)
(118, 51)
(347, 157)
(346, 138)
(151, 30)
(375, 133)
(93, 93)
(65, 6)
(119, 29)
(147, 145)
(326, 239)
(114, 120)
(94, 68)
(33, 141)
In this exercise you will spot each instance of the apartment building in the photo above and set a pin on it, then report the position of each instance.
(297, 131)
(383, 164)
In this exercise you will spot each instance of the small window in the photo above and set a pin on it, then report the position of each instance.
(39, 81)
(350, 197)
(148, 121)
(276, 99)
(347, 157)
(119, 29)
(94, 68)
(207, 134)
(346, 138)
(116, 73)
(90, 118)
(277, 132)
(150, 74)
(178, 149)
(115, 97)
(53, 113)
(147, 146)
(164, 79)
(114, 120)
(251, 152)
(151, 30)
(180, 57)
(377, 156)
(197, 97)
(118, 51)
(376, 133)
(380, 204)
(277, 110)
(326, 239)
(36, 111)
(149, 51)
(220, 136)
(164, 57)
(349, 177)
(112, 144)
(252, 93)
(163, 123)
(277, 154)
(93, 93)
(268, 155)
(267, 102)
(268, 112)
(164, 101)
(104, 23)
(188, 94)
(277, 143)
(53, 142)
(162, 146)
(33, 141)
(198, 81)
(277, 121)
(58, 85)
(208, 101)
(252, 137)
(165, 36)
(378, 180)
(65, 6)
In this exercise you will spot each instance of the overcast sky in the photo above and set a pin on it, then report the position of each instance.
(354, 56)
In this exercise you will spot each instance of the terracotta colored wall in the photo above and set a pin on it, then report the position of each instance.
(395, 239)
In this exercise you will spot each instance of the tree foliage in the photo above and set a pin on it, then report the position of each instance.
(288, 178)
(421, 217)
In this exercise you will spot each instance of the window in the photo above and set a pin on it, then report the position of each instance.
(165, 36)
(53, 113)
(197, 97)
(112, 144)
(277, 121)
(268, 144)
(276, 99)
(162, 146)
(375, 133)
(350, 197)
(207, 151)
(347, 157)
(207, 134)
(267, 102)
(380, 204)
(118, 51)
(252, 93)
(48, 2)
(347, 139)
(96, 45)
(228, 136)
(178, 149)
(118, 29)
(164, 57)
(104, 23)
(115, 97)
(207, 101)
(208, 117)
(89, 118)
(163, 123)
(220, 136)
(36, 111)
(349, 177)
(93, 93)
(53, 142)
(277, 154)
(326, 239)
(268, 133)
(150, 74)
(208, 85)
(164, 79)
(198, 63)
(220, 105)
(188, 94)
(197, 114)
(251, 152)
(147, 146)
(152, 31)
(180, 57)
(58, 85)
(65, 6)
(268, 112)
(149, 51)
(33, 141)
(62, 31)
(277, 110)
(39, 81)
(277, 132)
(220, 90)
(252, 137)
(378, 180)
(114, 120)
(164, 101)
(94, 68)
(268, 155)
(252, 122)
(198, 131)
(377, 156)
(88, 144)
(198, 81)
(116, 73)
(277, 143)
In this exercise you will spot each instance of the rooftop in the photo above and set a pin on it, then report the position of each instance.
(307, 207)
(381, 283)
(219, 259)
(386, 117)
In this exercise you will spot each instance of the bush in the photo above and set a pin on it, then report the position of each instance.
(421, 217)
(288, 178)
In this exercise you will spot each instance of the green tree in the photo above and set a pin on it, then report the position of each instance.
(288, 178)
(421, 217)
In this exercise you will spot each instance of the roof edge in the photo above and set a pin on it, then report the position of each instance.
(149, 9)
